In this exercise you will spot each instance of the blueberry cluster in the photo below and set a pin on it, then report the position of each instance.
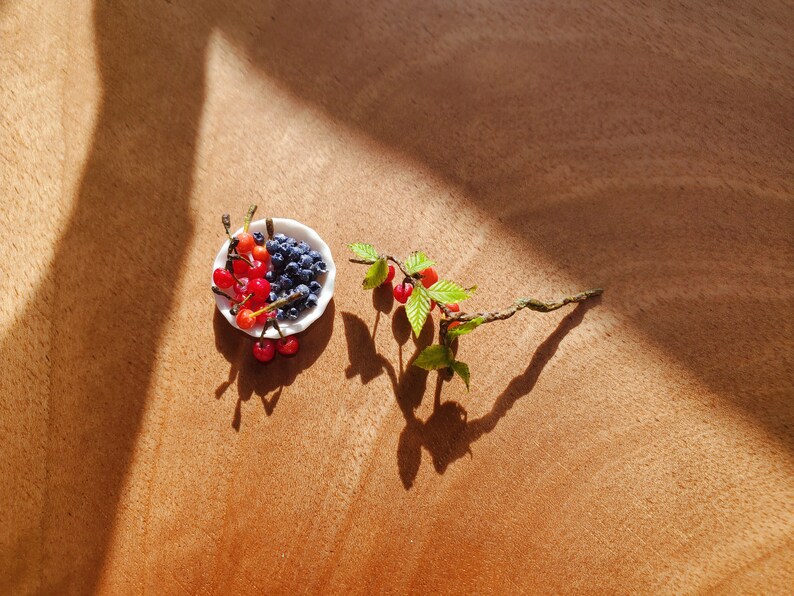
(295, 268)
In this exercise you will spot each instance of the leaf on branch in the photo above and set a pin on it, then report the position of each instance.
(435, 357)
(417, 308)
(462, 369)
(365, 252)
(464, 328)
(448, 292)
(376, 274)
(416, 262)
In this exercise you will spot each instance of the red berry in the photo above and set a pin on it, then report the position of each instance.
(242, 287)
(263, 317)
(240, 267)
(264, 350)
(402, 292)
(454, 307)
(258, 270)
(429, 277)
(287, 346)
(222, 278)
(246, 318)
(260, 253)
(260, 288)
(246, 242)
(389, 276)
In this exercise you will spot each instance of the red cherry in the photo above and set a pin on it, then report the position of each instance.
(258, 270)
(402, 292)
(242, 288)
(240, 267)
(429, 277)
(260, 288)
(246, 318)
(454, 307)
(260, 254)
(222, 278)
(389, 276)
(264, 350)
(287, 346)
(264, 316)
(246, 242)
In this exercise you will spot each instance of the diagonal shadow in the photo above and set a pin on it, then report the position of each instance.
(447, 434)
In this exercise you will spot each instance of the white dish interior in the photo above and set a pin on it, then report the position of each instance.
(297, 230)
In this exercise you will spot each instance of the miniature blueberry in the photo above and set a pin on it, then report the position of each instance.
(304, 246)
(291, 269)
(275, 287)
(319, 268)
(293, 313)
(285, 281)
(280, 238)
(272, 246)
(315, 255)
(273, 296)
(303, 289)
(311, 301)
(295, 253)
(280, 314)
(259, 238)
(277, 260)
(305, 275)
(270, 276)
(315, 287)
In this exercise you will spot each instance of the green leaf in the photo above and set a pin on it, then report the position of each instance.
(435, 357)
(448, 292)
(376, 274)
(417, 308)
(416, 262)
(464, 328)
(462, 369)
(365, 252)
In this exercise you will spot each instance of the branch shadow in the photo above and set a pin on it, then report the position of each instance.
(267, 380)
(447, 434)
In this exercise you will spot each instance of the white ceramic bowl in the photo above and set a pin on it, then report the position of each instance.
(297, 230)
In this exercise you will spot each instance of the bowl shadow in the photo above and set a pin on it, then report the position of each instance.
(266, 380)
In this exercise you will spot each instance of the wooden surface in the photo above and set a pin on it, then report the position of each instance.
(641, 445)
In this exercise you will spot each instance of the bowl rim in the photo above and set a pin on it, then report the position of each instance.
(300, 231)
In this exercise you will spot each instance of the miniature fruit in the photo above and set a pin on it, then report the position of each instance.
(429, 277)
(454, 307)
(245, 242)
(246, 318)
(260, 288)
(264, 350)
(260, 254)
(402, 292)
(389, 276)
(287, 346)
(222, 278)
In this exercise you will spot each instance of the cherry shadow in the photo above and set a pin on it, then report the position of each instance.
(447, 434)
(266, 380)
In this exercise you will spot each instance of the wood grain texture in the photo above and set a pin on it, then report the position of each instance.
(642, 444)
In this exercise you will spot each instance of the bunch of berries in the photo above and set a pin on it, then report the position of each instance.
(271, 279)
(403, 291)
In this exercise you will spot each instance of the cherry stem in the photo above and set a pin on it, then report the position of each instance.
(227, 222)
(236, 308)
(488, 317)
(279, 303)
(278, 328)
(270, 229)
(241, 258)
(248, 217)
(220, 292)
